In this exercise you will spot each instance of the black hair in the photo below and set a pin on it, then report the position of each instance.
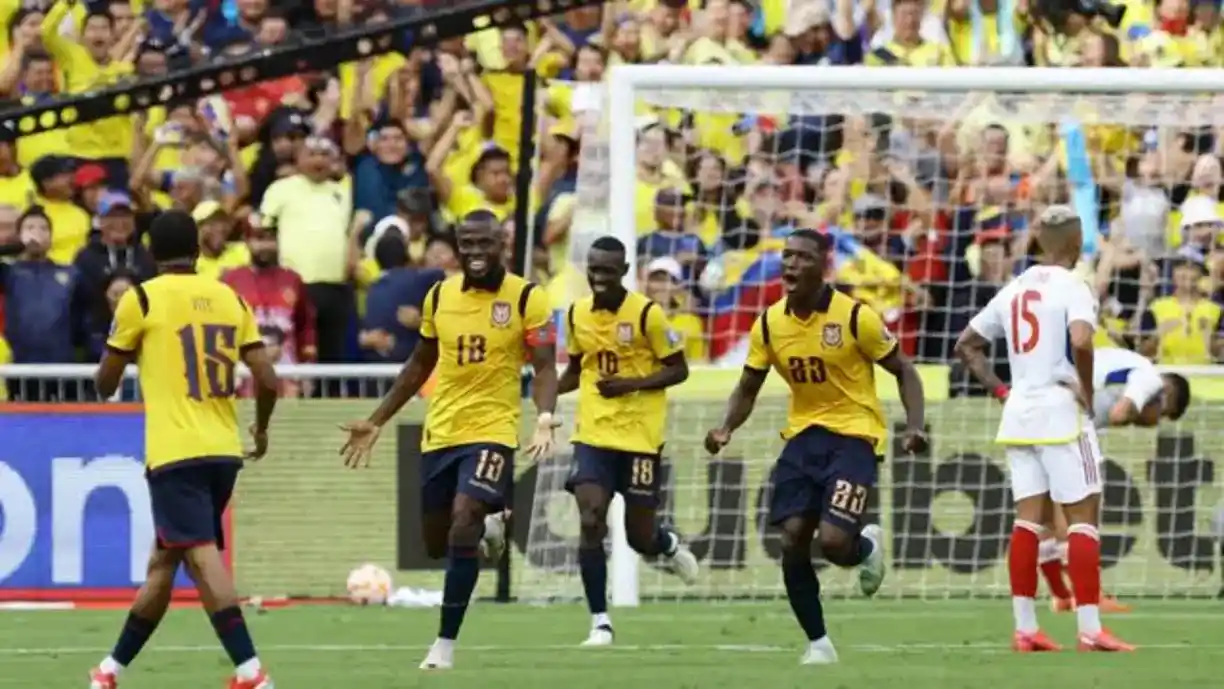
(1182, 387)
(18, 17)
(391, 251)
(609, 243)
(174, 236)
(34, 212)
(482, 217)
(489, 156)
(99, 14)
(35, 55)
(813, 236)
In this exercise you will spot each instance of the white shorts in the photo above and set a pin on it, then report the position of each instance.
(1069, 472)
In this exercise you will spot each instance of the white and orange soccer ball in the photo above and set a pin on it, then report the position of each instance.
(369, 585)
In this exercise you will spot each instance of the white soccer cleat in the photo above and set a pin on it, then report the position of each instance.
(493, 544)
(819, 652)
(684, 564)
(441, 656)
(599, 636)
(872, 570)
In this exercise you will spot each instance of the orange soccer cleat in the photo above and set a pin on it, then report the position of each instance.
(102, 680)
(261, 681)
(1062, 604)
(1033, 642)
(1105, 642)
(1109, 604)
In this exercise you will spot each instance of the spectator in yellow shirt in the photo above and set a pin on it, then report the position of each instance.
(52, 177)
(217, 253)
(490, 185)
(1184, 327)
(908, 48)
(665, 286)
(16, 186)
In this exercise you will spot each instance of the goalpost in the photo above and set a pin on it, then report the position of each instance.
(947, 516)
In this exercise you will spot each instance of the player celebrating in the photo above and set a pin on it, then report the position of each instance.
(186, 334)
(1050, 441)
(622, 356)
(476, 330)
(1128, 391)
(826, 346)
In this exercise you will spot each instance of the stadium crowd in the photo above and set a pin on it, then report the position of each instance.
(326, 199)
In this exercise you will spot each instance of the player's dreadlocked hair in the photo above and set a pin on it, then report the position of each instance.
(174, 236)
(609, 243)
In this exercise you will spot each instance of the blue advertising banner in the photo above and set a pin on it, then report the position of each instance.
(75, 521)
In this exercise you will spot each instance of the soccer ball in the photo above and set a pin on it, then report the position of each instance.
(369, 585)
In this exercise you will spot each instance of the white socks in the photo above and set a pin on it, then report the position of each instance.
(601, 620)
(1088, 619)
(110, 666)
(248, 670)
(1025, 612)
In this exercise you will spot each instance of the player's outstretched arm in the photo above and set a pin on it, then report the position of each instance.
(408, 383)
(739, 408)
(971, 349)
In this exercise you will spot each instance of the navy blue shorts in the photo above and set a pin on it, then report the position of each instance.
(189, 501)
(479, 470)
(823, 473)
(634, 475)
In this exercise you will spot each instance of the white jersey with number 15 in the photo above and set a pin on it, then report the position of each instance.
(1033, 314)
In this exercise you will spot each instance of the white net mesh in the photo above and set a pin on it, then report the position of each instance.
(929, 196)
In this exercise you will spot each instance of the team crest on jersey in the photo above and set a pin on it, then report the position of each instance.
(832, 335)
(624, 333)
(501, 314)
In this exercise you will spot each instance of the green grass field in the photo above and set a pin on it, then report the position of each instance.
(901, 644)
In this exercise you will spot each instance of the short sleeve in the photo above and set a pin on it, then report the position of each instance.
(272, 205)
(988, 322)
(538, 313)
(1081, 305)
(127, 328)
(758, 350)
(664, 341)
(874, 338)
(572, 346)
(248, 331)
(429, 329)
(1142, 386)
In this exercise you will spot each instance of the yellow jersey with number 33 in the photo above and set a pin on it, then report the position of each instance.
(483, 340)
(629, 342)
(828, 361)
(188, 333)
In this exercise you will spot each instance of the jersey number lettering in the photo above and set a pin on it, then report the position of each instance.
(849, 497)
(489, 466)
(1021, 311)
(609, 363)
(471, 349)
(810, 369)
(218, 365)
(642, 475)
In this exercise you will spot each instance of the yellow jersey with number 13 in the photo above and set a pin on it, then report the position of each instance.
(628, 342)
(483, 338)
(188, 333)
(828, 360)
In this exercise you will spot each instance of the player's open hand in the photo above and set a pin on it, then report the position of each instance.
(360, 444)
(915, 442)
(544, 438)
(260, 438)
(716, 439)
(612, 388)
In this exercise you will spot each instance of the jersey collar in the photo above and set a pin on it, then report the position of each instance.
(822, 301)
(614, 308)
(493, 286)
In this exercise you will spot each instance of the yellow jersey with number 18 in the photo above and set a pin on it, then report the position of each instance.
(630, 341)
(828, 360)
(483, 338)
(188, 333)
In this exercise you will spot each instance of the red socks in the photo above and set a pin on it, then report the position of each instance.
(1051, 558)
(1022, 559)
(1084, 563)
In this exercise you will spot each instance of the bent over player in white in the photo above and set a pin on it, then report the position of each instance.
(1127, 391)
(1044, 315)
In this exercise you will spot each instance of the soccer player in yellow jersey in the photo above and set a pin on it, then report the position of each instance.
(187, 334)
(622, 357)
(825, 345)
(477, 329)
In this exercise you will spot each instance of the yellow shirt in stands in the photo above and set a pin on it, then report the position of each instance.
(311, 222)
(690, 329)
(706, 51)
(466, 198)
(381, 73)
(925, 54)
(1173, 231)
(234, 255)
(1189, 343)
(873, 281)
(6, 357)
(960, 35)
(507, 91)
(34, 146)
(17, 191)
(70, 228)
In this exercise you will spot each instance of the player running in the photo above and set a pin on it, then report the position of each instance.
(1051, 444)
(826, 346)
(476, 330)
(1128, 391)
(186, 334)
(622, 356)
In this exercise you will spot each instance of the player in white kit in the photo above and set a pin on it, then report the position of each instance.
(1128, 391)
(1047, 317)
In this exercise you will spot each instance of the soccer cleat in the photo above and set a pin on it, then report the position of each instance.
(600, 636)
(872, 569)
(684, 564)
(441, 656)
(493, 544)
(1033, 642)
(102, 680)
(1062, 605)
(1104, 642)
(261, 681)
(819, 652)
(1112, 605)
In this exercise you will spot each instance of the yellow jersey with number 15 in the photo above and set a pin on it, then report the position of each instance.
(188, 333)
(628, 342)
(828, 360)
(483, 337)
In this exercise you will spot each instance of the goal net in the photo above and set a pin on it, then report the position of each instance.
(927, 181)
